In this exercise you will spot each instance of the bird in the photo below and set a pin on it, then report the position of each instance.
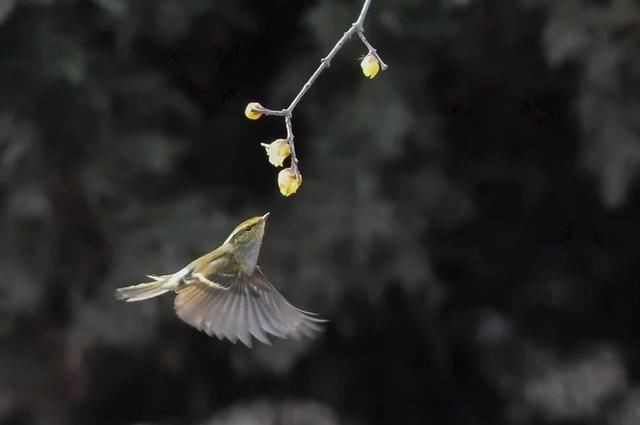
(225, 293)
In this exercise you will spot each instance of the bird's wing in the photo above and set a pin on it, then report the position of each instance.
(235, 306)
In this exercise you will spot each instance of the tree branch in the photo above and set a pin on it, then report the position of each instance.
(287, 113)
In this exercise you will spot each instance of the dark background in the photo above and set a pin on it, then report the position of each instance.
(468, 220)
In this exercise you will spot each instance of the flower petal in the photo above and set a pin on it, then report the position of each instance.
(278, 151)
(250, 113)
(289, 182)
(370, 66)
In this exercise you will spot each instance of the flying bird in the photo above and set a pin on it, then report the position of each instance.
(226, 294)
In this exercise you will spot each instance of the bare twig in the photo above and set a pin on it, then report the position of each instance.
(287, 113)
(372, 51)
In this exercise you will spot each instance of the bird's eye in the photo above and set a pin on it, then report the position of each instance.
(246, 229)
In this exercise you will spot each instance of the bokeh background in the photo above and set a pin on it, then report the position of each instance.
(468, 220)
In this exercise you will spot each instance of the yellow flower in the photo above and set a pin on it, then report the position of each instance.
(289, 181)
(250, 113)
(278, 151)
(370, 66)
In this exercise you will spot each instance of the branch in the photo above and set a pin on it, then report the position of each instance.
(287, 113)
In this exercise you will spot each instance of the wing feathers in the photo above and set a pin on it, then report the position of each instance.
(252, 319)
(242, 326)
(227, 318)
(266, 320)
(243, 308)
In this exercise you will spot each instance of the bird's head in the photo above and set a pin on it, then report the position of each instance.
(245, 240)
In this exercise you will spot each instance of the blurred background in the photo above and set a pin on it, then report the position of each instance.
(468, 220)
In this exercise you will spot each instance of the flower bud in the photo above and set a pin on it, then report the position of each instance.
(250, 113)
(289, 181)
(278, 151)
(370, 66)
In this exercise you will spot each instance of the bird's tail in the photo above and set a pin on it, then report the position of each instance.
(144, 291)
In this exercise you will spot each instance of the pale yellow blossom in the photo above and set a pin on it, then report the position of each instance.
(278, 151)
(370, 66)
(250, 113)
(289, 181)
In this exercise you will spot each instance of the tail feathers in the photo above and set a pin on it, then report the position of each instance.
(143, 291)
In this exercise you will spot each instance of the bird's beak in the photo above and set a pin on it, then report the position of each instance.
(264, 217)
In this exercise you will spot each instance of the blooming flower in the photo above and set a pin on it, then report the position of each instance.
(289, 181)
(370, 66)
(278, 151)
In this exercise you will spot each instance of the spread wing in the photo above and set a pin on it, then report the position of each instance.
(236, 306)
